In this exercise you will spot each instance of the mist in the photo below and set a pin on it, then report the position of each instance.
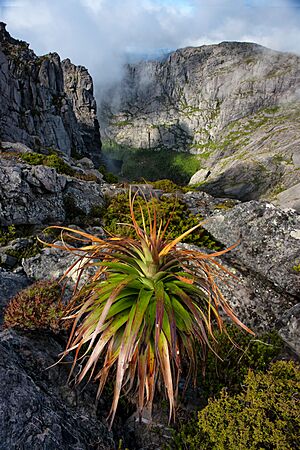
(104, 34)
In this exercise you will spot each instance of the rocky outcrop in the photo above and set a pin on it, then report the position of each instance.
(40, 195)
(45, 102)
(235, 105)
(78, 87)
(38, 410)
(266, 263)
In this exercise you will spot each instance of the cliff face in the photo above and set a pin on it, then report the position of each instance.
(46, 102)
(235, 105)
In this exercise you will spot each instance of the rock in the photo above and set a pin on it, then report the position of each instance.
(290, 198)
(78, 86)
(50, 264)
(46, 102)
(7, 260)
(268, 246)
(38, 195)
(15, 147)
(85, 163)
(290, 331)
(199, 176)
(38, 410)
(235, 105)
(206, 205)
(267, 286)
(10, 285)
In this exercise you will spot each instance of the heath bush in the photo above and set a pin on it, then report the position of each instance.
(264, 415)
(37, 307)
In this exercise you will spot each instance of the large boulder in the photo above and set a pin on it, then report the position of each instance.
(269, 241)
(38, 410)
(267, 286)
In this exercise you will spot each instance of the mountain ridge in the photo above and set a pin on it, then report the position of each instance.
(193, 102)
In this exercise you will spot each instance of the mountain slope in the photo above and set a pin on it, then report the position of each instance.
(235, 105)
(46, 102)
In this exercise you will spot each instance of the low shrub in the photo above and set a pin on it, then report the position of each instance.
(7, 234)
(239, 352)
(264, 415)
(108, 176)
(53, 161)
(37, 307)
(87, 177)
(180, 218)
(167, 185)
(59, 165)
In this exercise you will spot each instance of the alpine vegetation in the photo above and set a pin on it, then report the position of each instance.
(144, 311)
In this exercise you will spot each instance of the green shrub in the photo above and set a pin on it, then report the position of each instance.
(53, 161)
(33, 158)
(296, 267)
(264, 415)
(167, 185)
(181, 219)
(239, 352)
(150, 164)
(108, 176)
(59, 165)
(37, 307)
(7, 234)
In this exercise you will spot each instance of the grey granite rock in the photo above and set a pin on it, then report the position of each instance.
(50, 264)
(269, 241)
(206, 205)
(17, 147)
(290, 198)
(267, 287)
(38, 194)
(290, 330)
(45, 102)
(38, 410)
(10, 284)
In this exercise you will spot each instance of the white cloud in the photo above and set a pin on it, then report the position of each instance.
(99, 33)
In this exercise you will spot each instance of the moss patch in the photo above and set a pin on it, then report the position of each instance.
(48, 160)
(7, 234)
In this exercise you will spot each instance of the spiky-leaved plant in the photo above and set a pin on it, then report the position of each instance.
(144, 310)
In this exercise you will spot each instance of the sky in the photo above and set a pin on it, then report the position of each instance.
(100, 34)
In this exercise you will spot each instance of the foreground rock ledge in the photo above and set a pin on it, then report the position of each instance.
(37, 408)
